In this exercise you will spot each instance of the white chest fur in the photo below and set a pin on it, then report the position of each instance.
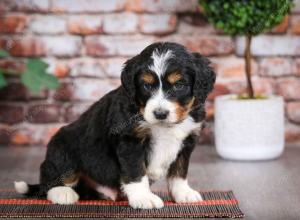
(166, 142)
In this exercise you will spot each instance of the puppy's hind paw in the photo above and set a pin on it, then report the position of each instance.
(63, 195)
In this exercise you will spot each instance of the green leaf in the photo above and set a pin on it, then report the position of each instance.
(50, 81)
(31, 81)
(35, 77)
(3, 53)
(36, 65)
(3, 82)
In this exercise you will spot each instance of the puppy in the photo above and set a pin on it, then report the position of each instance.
(136, 134)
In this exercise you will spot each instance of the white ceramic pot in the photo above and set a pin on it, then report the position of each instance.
(249, 129)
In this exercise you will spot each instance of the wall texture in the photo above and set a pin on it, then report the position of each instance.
(86, 41)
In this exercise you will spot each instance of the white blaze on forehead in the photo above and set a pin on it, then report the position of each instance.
(160, 64)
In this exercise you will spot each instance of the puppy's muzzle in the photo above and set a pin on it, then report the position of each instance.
(161, 114)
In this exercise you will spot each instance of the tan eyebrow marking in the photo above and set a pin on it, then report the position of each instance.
(148, 78)
(174, 77)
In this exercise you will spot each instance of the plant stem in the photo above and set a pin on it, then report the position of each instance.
(248, 66)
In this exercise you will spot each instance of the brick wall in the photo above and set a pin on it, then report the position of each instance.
(86, 41)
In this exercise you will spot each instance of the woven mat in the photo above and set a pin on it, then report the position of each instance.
(215, 204)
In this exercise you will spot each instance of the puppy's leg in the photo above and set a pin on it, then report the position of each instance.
(134, 182)
(140, 196)
(177, 176)
(57, 183)
(63, 195)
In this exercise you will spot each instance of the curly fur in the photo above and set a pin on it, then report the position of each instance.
(113, 144)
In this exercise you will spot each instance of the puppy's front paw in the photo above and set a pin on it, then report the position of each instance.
(182, 192)
(145, 201)
(63, 195)
(186, 195)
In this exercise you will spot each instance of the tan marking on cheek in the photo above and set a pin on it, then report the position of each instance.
(182, 111)
(174, 77)
(148, 78)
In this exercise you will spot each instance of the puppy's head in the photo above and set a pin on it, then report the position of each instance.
(167, 82)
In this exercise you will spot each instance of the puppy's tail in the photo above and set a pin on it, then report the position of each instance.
(36, 190)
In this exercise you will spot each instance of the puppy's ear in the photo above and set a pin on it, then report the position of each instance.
(205, 77)
(128, 74)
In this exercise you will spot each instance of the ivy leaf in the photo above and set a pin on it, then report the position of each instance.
(3, 82)
(36, 65)
(31, 81)
(50, 81)
(3, 53)
(36, 76)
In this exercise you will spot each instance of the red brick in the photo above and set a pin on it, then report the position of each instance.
(64, 92)
(281, 28)
(121, 23)
(92, 89)
(275, 67)
(232, 67)
(28, 5)
(296, 67)
(78, 6)
(63, 46)
(195, 24)
(13, 24)
(25, 46)
(263, 86)
(43, 113)
(210, 111)
(11, 114)
(34, 134)
(292, 133)
(289, 88)
(219, 89)
(116, 45)
(5, 133)
(74, 111)
(267, 45)
(208, 46)
(293, 111)
(113, 66)
(14, 92)
(162, 5)
(296, 8)
(158, 24)
(295, 24)
(48, 25)
(85, 25)
(87, 67)
(58, 68)
(12, 64)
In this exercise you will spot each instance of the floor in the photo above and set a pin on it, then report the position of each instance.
(265, 190)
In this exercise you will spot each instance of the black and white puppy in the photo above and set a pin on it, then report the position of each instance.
(138, 133)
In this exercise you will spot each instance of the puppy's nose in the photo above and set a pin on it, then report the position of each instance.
(160, 114)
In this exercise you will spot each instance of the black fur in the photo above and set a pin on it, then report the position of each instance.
(102, 143)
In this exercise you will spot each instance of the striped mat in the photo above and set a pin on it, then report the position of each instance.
(216, 204)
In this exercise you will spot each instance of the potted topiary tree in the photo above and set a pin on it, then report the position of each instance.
(248, 126)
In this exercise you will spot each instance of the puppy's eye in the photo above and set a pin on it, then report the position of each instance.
(147, 87)
(179, 87)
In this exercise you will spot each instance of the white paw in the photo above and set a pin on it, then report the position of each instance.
(145, 201)
(62, 195)
(186, 195)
